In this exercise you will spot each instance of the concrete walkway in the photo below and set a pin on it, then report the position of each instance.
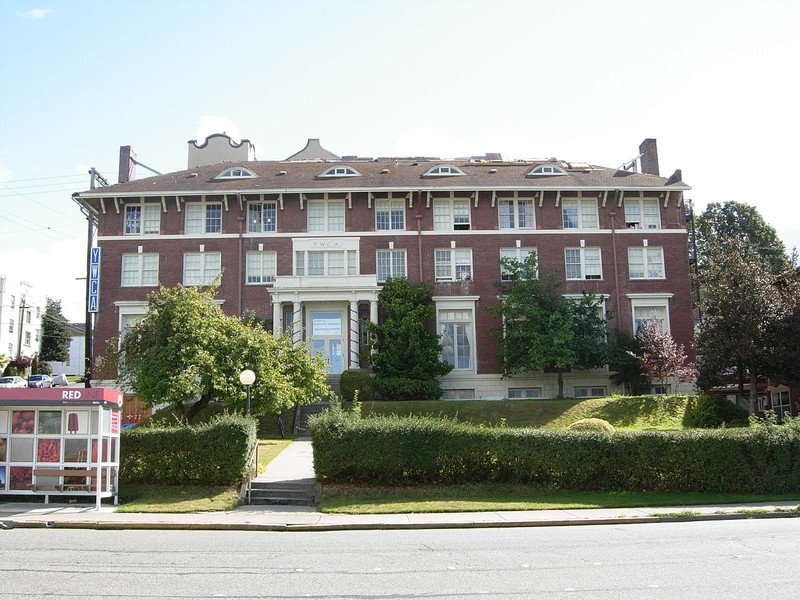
(296, 462)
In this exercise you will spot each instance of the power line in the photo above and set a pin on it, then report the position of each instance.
(37, 202)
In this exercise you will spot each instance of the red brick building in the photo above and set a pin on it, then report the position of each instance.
(306, 242)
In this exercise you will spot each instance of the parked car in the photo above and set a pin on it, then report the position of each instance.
(40, 381)
(13, 382)
(60, 380)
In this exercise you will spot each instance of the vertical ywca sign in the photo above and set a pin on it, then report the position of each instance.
(93, 299)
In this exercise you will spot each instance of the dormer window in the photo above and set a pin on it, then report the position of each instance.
(236, 173)
(443, 171)
(546, 170)
(340, 172)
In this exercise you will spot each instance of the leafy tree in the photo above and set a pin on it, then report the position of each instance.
(407, 360)
(741, 223)
(55, 333)
(186, 348)
(541, 328)
(624, 350)
(660, 357)
(782, 364)
(740, 314)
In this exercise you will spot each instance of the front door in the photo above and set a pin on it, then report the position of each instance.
(327, 337)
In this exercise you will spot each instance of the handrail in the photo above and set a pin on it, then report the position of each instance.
(251, 462)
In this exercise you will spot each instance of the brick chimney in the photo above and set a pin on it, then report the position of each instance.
(649, 157)
(127, 164)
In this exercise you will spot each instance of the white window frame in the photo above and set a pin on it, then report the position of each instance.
(452, 214)
(208, 268)
(783, 406)
(340, 171)
(642, 305)
(391, 263)
(200, 221)
(236, 173)
(261, 267)
(585, 212)
(147, 222)
(139, 269)
(518, 254)
(457, 319)
(591, 269)
(649, 264)
(546, 170)
(452, 264)
(386, 210)
(524, 393)
(325, 263)
(590, 391)
(323, 216)
(521, 210)
(444, 171)
(266, 212)
(639, 213)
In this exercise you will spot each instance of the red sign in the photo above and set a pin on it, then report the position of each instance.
(60, 396)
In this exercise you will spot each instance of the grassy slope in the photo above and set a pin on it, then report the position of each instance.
(622, 412)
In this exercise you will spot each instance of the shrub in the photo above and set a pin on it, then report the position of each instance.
(214, 453)
(592, 424)
(349, 449)
(711, 411)
(401, 388)
(353, 381)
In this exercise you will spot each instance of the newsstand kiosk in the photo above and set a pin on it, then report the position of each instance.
(60, 442)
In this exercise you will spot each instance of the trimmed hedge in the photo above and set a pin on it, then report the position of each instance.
(214, 453)
(708, 410)
(390, 451)
(353, 380)
(592, 424)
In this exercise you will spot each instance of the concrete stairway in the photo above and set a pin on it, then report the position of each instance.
(297, 492)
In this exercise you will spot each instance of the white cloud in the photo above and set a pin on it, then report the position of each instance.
(210, 125)
(36, 14)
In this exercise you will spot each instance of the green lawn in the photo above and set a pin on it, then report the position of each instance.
(667, 412)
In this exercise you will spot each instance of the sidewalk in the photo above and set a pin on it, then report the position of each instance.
(296, 462)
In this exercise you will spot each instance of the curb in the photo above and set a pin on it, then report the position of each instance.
(288, 527)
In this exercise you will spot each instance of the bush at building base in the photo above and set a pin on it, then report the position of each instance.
(393, 450)
(214, 453)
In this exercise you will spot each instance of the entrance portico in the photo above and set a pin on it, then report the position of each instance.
(326, 311)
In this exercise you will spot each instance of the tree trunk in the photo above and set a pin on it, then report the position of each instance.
(197, 407)
(753, 390)
(560, 383)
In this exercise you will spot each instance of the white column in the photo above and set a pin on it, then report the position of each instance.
(277, 318)
(373, 315)
(353, 320)
(296, 325)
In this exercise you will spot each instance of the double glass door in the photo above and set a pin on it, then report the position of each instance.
(327, 337)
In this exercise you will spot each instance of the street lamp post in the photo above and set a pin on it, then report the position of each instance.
(247, 377)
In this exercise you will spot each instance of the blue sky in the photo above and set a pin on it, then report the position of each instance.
(713, 81)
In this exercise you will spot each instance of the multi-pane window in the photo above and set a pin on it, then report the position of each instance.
(579, 213)
(518, 254)
(201, 268)
(203, 217)
(11, 325)
(453, 264)
(390, 214)
(261, 266)
(262, 217)
(524, 393)
(646, 263)
(390, 263)
(583, 263)
(325, 215)
(643, 314)
(780, 403)
(451, 214)
(457, 337)
(589, 391)
(320, 263)
(140, 269)
(515, 213)
(642, 213)
(27, 338)
(142, 219)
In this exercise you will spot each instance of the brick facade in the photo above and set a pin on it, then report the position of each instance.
(332, 299)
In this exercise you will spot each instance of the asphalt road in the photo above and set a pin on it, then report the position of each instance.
(750, 559)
